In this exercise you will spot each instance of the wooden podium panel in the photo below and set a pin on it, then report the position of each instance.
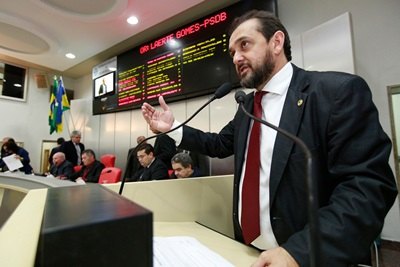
(207, 200)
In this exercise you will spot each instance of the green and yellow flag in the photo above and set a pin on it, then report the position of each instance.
(58, 104)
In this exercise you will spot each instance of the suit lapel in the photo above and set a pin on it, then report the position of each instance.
(290, 121)
(243, 133)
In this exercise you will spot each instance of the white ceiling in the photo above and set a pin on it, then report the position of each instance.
(41, 32)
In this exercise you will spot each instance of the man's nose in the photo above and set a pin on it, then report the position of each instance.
(237, 58)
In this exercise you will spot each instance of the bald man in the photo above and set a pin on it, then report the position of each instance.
(61, 168)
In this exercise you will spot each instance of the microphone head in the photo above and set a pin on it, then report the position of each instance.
(223, 90)
(239, 96)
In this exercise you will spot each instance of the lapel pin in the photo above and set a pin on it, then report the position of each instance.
(300, 102)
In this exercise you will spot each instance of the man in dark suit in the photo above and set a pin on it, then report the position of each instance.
(182, 166)
(73, 148)
(61, 168)
(103, 88)
(334, 115)
(164, 149)
(91, 169)
(56, 149)
(151, 168)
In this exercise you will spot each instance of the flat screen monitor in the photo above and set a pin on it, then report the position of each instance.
(104, 85)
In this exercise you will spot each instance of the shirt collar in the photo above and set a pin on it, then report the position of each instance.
(148, 166)
(279, 83)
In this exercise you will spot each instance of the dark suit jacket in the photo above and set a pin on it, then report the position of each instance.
(93, 174)
(132, 164)
(156, 171)
(339, 123)
(69, 150)
(165, 149)
(65, 169)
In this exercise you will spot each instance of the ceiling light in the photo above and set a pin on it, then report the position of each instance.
(17, 85)
(132, 20)
(70, 55)
(173, 43)
(112, 69)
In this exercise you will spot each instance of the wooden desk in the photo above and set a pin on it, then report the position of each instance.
(233, 251)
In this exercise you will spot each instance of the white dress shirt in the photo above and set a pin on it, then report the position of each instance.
(272, 105)
(78, 152)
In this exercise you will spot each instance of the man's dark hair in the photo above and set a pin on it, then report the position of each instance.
(146, 147)
(89, 152)
(268, 25)
(60, 140)
(183, 158)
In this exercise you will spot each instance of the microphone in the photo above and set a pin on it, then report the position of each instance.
(311, 204)
(222, 91)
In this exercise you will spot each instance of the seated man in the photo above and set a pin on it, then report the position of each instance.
(61, 168)
(151, 168)
(56, 149)
(182, 165)
(91, 169)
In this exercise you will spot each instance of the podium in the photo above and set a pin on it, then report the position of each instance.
(47, 222)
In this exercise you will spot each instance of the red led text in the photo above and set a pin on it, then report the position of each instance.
(191, 29)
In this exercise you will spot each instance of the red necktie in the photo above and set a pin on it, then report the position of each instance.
(250, 219)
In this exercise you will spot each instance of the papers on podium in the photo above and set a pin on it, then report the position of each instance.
(183, 251)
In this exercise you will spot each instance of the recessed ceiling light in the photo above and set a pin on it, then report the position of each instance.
(132, 20)
(70, 55)
(17, 85)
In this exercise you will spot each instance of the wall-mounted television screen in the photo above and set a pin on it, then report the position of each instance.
(104, 85)
(191, 61)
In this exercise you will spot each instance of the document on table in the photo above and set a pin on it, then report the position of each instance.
(183, 251)
(12, 162)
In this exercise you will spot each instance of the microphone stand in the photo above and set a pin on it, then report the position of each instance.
(223, 90)
(312, 205)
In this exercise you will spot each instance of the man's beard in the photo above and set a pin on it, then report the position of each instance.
(260, 74)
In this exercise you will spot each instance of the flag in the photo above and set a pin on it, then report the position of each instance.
(58, 104)
(53, 102)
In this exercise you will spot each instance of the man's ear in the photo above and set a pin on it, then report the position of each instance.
(278, 40)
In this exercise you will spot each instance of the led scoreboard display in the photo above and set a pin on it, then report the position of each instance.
(191, 61)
